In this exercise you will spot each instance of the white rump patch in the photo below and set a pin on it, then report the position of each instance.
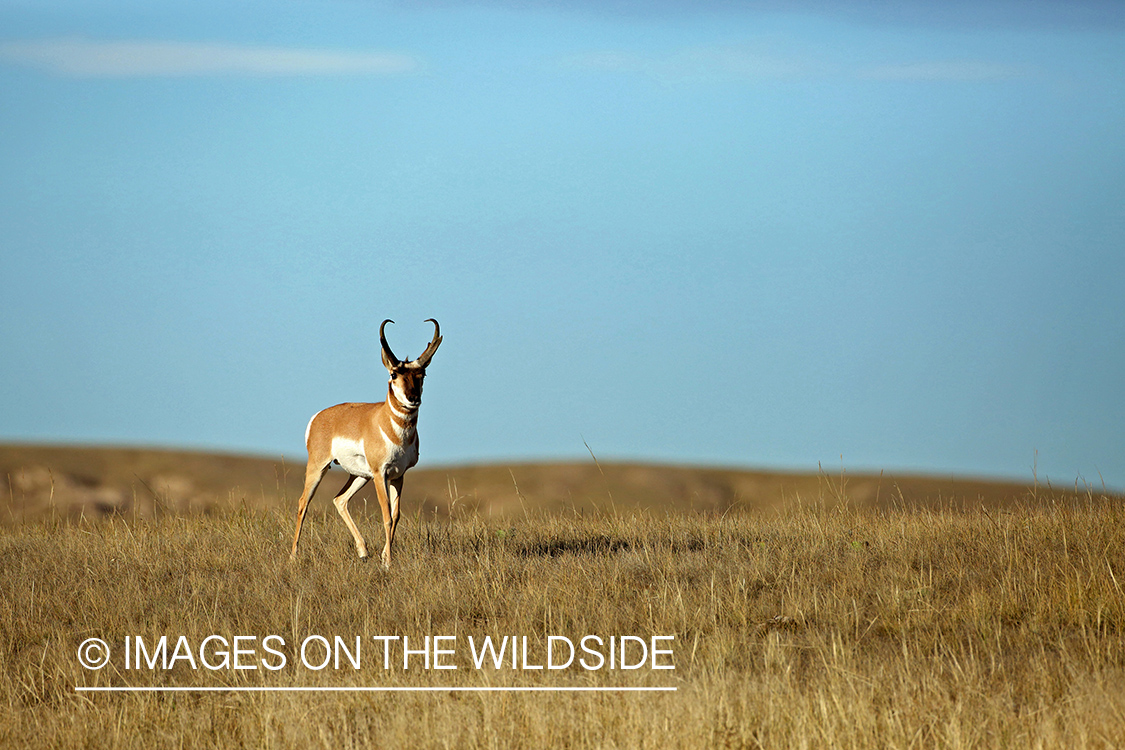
(308, 427)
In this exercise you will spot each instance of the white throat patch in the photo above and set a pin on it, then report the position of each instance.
(401, 396)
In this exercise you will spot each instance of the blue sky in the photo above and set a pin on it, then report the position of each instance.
(758, 234)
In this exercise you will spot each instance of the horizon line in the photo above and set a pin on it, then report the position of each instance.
(859, 470)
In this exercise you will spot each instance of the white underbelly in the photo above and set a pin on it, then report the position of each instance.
(351, 457)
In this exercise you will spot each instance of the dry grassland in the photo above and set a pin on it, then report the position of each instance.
(820, 623)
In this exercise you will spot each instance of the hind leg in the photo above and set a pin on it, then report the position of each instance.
(314, 472)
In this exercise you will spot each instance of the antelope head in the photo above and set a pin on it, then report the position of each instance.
(407, 376)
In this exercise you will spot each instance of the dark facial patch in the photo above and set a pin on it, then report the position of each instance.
(411, 382)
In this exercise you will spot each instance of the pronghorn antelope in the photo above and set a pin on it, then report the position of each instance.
(369, 441)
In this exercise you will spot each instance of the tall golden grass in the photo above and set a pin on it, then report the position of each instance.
(818, 624)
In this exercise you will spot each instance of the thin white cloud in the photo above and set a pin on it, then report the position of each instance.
(953, 70)
(155, 58)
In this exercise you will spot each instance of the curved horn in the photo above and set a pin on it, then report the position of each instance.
(387, 353)
(424, 358)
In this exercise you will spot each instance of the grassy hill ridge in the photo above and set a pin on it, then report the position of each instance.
(76, 481)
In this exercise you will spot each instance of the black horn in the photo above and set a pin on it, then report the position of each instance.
(425, 357)
(387, 353)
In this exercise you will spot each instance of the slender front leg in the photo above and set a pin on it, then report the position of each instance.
(385, 506)
(351, 487)
(394, 493)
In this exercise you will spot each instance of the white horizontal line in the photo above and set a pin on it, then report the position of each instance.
(369, 689)
(158, 57)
